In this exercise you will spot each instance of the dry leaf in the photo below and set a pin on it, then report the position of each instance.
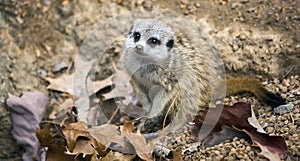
(62, 109)
(51, 137)
(116, 156)
(83, 146)
(271, 144)
(65, 83)
(254, 122)
(237, 117)
(268, 154)
(72, 132)
(26, 112)
(142, 148)
(106, 134)
(78, 138)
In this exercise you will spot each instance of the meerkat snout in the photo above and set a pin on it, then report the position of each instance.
(139, 47)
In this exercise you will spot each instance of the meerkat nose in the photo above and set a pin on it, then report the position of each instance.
(140, 47)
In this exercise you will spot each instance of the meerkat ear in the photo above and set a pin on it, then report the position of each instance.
(170, 43)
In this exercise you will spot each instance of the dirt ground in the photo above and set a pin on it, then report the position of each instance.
(255, 38)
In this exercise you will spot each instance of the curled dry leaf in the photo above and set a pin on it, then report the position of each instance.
(142, 148)
(268, 154)
(65, 83)
(254, 122)
(77, 139)
(50, 136)
(237, 117)
(80, 141)
(26, 114)
(62, 109)
(107, 134)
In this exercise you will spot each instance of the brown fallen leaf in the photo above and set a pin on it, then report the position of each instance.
(83, 146)
(116, 156)
(62, 83)
(267, 153)
(79, 141)
(65, 83)
(73, 131)
(61, 110)
(107, 134)
(70, 117)
(50, 136)
(237, 117)
(142, 148)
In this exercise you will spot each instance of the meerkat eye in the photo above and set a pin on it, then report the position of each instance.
(136, 36)
(153, 41)
(170, 43)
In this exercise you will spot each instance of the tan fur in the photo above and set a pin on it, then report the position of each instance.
(174, 82)
(179, 70)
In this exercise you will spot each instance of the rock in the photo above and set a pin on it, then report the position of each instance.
(284, 108)
(270, 130)
(235, 47)
(242, 36)
(285, 82)
(283, 89)
(234, 5)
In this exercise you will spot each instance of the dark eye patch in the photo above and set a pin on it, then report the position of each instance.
(170, 43)
(136, 36)
(153, 41)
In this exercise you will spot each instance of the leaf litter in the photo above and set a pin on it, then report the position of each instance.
(97, 143)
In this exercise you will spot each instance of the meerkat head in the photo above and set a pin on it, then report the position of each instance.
(150, 38)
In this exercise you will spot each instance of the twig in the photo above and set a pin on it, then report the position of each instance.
(113, 115)
(288, 72)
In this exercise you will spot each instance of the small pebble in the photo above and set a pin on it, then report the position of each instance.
(242, 36)
(235, 47)
(233, 150)
(284, 108)
(234, 5)
(270, 130)
(283, 88)
(248, 148)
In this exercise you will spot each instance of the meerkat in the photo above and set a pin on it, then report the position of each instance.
(172, 80)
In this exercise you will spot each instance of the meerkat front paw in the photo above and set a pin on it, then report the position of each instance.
(155, 123)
